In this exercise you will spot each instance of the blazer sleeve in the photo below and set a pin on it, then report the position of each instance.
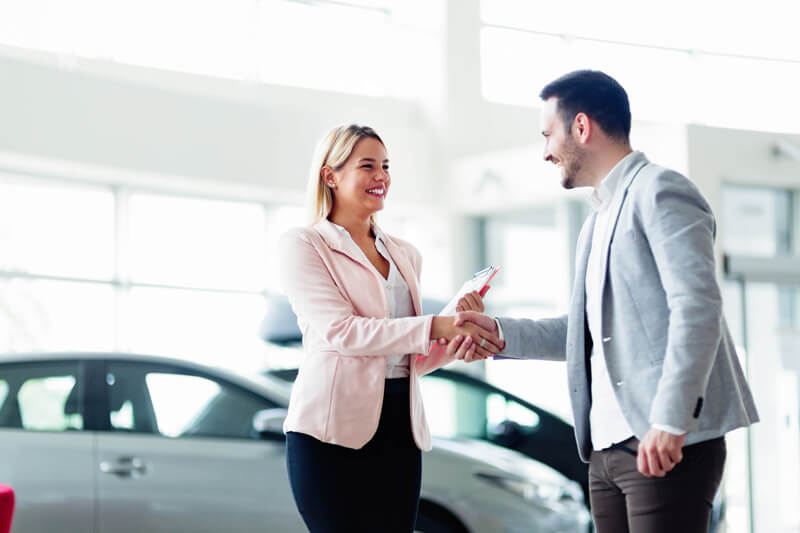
(680, 228)
(535, 339)
(317, 301)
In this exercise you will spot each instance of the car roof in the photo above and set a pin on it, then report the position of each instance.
(267, 385)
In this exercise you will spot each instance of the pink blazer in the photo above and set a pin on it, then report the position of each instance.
(343, 314)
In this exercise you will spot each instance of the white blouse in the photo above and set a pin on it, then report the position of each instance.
(397, 295)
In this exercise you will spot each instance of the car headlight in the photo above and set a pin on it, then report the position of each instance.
(530, 490)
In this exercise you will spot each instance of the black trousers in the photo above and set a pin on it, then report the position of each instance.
(623, 500)
(375, 488)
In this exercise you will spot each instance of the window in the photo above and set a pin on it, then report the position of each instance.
(534, 250)
(176, 404)
(699, 72)
(215, 328)
(762, 298)
(152, 273)
(429, 233)
(41, 397)
(279, 220)
(585, 18)
(56, 230)
(554, 56)
(273, 41)
(57, 265)
(456, 409)
(3, 392)
(48, 315)
(121, 269)
(756, 221)
(174, 419)
(500, 409)
(531, 250)
(766, 455)
(192, 242)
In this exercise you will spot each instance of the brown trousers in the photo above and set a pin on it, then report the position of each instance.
(625, 501)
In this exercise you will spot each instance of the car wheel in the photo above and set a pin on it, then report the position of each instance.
(435, 519)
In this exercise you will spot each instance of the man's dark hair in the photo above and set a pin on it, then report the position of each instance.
(595, 93)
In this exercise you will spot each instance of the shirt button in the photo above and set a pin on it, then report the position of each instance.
(606, 339)
(620, 383)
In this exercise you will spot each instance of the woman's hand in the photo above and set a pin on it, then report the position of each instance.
(472, 301)
(465, 350)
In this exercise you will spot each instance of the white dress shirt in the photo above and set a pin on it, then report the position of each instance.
(607, 422)
(398, 297)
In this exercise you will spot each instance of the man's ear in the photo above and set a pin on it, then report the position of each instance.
(582, 128)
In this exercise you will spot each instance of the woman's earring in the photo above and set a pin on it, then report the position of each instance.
(330, 184)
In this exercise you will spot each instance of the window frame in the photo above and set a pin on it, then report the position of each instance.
(120, 282)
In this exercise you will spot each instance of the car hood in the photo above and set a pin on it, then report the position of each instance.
(481, 454)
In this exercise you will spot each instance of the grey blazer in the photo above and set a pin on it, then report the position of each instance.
(669, 353)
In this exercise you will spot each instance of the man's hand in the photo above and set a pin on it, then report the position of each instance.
(659, 452)
(484, 343)
(466, 350)
(483, 321)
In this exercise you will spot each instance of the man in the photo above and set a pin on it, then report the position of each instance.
(654, 379)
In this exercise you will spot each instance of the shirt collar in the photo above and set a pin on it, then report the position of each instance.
(378, 233)
(602, 195)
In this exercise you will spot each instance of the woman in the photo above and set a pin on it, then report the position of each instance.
(356, 423)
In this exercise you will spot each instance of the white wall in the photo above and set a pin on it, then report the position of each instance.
(143, 122)
(741, 156)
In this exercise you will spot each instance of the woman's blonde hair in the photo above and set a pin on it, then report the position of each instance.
(332, 150)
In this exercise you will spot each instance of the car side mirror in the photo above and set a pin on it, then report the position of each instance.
(268, 423)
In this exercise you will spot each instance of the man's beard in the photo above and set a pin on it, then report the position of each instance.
(572, 165)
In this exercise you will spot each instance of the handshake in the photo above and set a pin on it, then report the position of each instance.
(469, 336)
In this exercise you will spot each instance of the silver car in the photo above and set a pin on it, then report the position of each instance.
(130, 443)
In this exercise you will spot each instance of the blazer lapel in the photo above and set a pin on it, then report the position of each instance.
(634, 166)
(630, 173)
(335, 240)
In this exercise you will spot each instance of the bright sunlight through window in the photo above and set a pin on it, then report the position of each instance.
(284, 42)
(692, 75)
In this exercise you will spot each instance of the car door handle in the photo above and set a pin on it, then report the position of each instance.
(124, 467)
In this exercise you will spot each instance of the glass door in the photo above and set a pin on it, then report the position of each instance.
(762, 484)
(761, 235)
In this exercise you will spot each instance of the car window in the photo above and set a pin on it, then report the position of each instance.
(500, 409)
(3, 392)
(177, 418)
(41, 397)
(177, 404)
(457, 409)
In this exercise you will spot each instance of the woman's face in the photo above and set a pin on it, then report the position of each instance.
(362, 183)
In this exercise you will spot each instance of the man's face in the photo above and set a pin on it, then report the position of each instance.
(560, 148)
